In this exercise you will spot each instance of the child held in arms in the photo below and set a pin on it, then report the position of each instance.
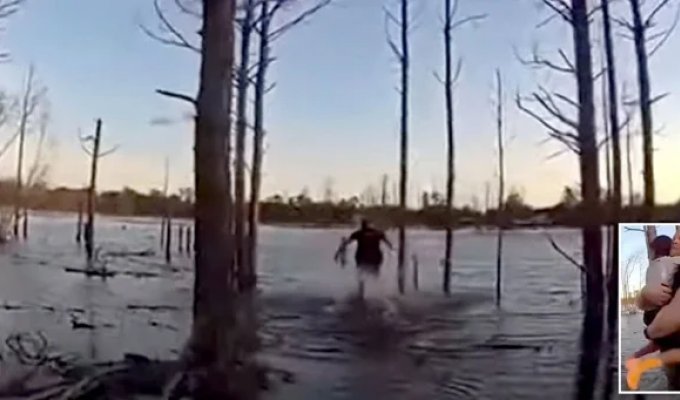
(663, 323)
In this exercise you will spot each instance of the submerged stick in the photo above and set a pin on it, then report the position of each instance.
(25, 224)
(180, 239)
(163, 232)
(79, 223)
(415, 271)
(168, 240)
(188, 241)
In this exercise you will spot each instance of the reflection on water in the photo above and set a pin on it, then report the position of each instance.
(412, 346)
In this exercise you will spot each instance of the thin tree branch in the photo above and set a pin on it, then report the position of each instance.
(568, 139)
(8, 144)
(666, 34)
(185, 9)
(108, 152)
(560, 7)
(178, 96)
(7, 8)
(623, 23)
(539, 62)
(546, 21)
(85, 149)
(467, 20)
(176, 38)
(276, 33)
(564, 254)
(549, 105)
(658, 98)
(566, 99)
(650, 19)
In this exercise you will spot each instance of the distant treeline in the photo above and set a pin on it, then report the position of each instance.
(301, 209)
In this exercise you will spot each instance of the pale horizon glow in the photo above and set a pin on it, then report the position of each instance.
(334, 111)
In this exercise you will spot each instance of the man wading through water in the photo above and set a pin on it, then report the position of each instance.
(368, 256)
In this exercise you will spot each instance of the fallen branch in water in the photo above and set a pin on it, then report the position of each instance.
(152, 308)
(54, 377)
(140, 253)
(140, 274)
(92, 272)
(565, 254)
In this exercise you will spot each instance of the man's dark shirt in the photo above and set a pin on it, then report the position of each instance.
(368, 246)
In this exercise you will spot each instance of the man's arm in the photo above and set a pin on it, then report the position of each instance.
(652, 297)
(340, 253)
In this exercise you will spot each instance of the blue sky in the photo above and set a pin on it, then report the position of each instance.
(334, 108)
(634, 250)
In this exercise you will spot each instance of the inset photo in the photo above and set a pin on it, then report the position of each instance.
(649, 309)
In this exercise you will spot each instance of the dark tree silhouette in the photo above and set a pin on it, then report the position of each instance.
(640, 29)
(95, 154)
(450, 78)
(402, 53)
(580, 137)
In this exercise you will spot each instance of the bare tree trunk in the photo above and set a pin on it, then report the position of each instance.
(212, 342)
(168, 239)
(450, 140)
(629, 162)
(650, 234)
(239, 174)
(383, 194)
(615, 200)
(258, 138)
(639, 31)
(415, 272)
(606, 130)
(501, 186)
(79, 226)
(91, 195)
(180, 239)
(188, 247)
(23, 122)
(25, 224)
(163, 219)
(403, 171)
(590, 188)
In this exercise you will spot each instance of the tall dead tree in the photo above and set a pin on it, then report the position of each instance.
(79, 222)
(650, 234)
(639, 28)
(580, 137)
(214, 334)
(402, 53)
(167, 213)
(30, 100)
(213, 290)
(450, 78)
(615, 191)
(629, 167)
(95, 154)
(246, 28)
(450, 142)
(267, 31)
(500, 213)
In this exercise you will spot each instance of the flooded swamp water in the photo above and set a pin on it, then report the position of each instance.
(418, 345)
